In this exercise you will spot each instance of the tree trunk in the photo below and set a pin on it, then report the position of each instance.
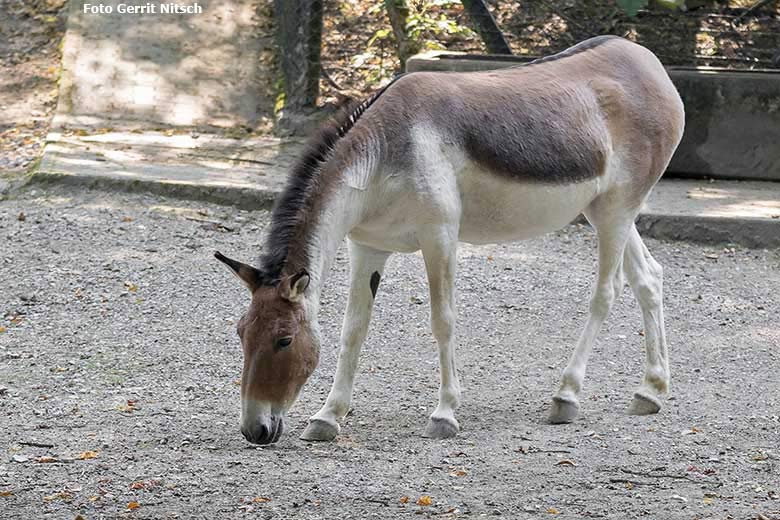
(484, 23)
(398, 12)
(299, 33)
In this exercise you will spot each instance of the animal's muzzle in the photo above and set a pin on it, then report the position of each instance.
(264, 433)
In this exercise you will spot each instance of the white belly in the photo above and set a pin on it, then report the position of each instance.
(492, 209)
(495, 209)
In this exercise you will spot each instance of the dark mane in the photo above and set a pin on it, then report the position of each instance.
(292, 210)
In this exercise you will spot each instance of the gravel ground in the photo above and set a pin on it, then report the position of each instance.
(120, 361)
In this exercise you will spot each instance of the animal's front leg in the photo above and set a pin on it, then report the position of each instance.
(440, 253)
(609, 284)
(366, 268)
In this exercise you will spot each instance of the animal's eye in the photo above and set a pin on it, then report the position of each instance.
(283, 342)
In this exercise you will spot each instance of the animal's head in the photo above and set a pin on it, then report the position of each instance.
(281, 349)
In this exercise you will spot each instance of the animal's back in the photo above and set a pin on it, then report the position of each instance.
(528, 148)
(552, 121)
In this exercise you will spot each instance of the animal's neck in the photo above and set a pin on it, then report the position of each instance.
(339, 213)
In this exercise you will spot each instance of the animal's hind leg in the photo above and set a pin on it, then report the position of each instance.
(612, 231)
(645, 276)
(366, 267)
(440, 253)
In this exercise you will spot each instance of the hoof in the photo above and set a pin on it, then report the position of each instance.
(644, 404)
(563, 410)
(320, 430)
(440, 428)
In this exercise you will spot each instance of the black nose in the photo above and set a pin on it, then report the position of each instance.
(262, 434)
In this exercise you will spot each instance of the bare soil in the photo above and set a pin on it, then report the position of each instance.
(30, 36)
(119, 363)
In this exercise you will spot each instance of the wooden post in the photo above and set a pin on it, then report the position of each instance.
(484, 23)
(299, 33)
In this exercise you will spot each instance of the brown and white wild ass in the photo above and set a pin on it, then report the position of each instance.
(438, 158)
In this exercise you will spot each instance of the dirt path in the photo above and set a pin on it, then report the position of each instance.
(119, 339)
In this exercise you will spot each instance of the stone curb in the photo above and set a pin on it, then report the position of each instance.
(242, 198)
(756, 233)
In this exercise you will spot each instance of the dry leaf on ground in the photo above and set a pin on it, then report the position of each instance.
(85, 455)
(424, 500)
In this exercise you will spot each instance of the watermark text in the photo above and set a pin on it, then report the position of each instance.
(147, 8)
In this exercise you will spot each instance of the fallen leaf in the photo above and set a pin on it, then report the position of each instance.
(2, 329)
(404, 499)
(565, 462)
(424, 500)
(127, 219)
(629, 485)
(129, 407)
(261, 500)
(131, 286)
(553, 511)
(138, 485)
(64, 495)
(458, 473)
(708, 500)
(46, 459)
(133, 505)
(6, 493)
(88, 455)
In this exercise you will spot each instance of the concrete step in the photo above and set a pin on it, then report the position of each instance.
(746, 213)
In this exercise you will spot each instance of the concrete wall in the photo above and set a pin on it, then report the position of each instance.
(732, 117)
(207, 69)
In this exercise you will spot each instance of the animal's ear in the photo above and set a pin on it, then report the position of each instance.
(292, 287)
(246, 273)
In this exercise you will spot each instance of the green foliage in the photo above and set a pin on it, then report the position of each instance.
(281, 97)
(426, 28)
(424, 25)
(632, 7)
